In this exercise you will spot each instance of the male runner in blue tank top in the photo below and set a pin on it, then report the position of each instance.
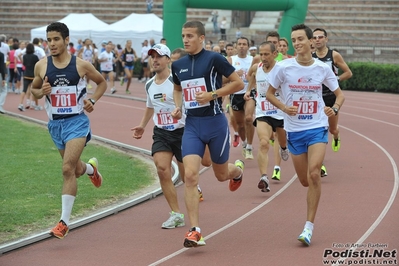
(59, 78)
(198, 78)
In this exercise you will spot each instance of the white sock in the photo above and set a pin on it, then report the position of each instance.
(309, 225)
(249, 146)
(89, 169)
(244, 144)
(277, 167)
(238, 177)
(67, 204)
(198, 229)
(235, 133)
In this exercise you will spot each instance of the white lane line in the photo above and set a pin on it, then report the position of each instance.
(373, 98)
(281, 190)
(123, 105)
(394, 112)
(391, 198)
(372, 119)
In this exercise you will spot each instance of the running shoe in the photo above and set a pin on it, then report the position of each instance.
(323, 171)
(201, 196)
(113, 90)
(122, 81)
(284, 154)
(228, 108)
(236, 141)
(193, 239)
(263, 184)
(21, 107)
(60, 230)
(306, 236)
(271, 142)
(276, 174)
(235, 183)
(336, 144)
(244, 152)
(248, 154)
(38, 107)
(127, 92)
(96, 178)
(175, 220)
(201, 242)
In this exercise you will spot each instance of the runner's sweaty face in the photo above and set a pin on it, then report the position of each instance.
(56, 43)
(192, 41)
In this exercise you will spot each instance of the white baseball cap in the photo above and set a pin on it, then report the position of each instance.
(253, 48)
(161, 49)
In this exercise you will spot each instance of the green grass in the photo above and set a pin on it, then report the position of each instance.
(31, 179)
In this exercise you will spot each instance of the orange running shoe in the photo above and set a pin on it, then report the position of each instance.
(236, 141)
(201, 196)
(235, 183)
(96, 178)
(193, 239)
(60, 230)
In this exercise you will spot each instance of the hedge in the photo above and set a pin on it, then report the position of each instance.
(372, 77)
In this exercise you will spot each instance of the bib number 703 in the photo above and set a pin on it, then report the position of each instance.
(306, 107)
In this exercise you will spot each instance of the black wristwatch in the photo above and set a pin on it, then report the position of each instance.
(92, 101)
(214, 95)
(335, 109)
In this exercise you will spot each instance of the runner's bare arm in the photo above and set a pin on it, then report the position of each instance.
(271, 97)
(40, 86)
(339, 61)
(178, 100)
(138, 131)
(234, 83)
(87, 69)
(251, 77)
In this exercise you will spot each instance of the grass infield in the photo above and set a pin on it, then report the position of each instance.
(31, 179)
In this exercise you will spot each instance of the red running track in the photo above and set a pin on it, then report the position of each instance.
(359, 202)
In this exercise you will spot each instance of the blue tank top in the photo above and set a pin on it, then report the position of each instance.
(68, 90)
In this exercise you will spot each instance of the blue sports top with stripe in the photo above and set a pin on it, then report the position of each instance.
(201, 72)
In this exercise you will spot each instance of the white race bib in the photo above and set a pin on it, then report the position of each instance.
(190, 88)
(165, 118)
(307, 104)
(63, 100)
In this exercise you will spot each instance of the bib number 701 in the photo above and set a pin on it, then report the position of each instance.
(63, 100)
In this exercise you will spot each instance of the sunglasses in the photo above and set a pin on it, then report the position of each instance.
(318, 37)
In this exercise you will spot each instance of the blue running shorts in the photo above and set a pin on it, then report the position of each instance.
(64, 130)
(298, 142)
(207, 130)
(130, 67)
